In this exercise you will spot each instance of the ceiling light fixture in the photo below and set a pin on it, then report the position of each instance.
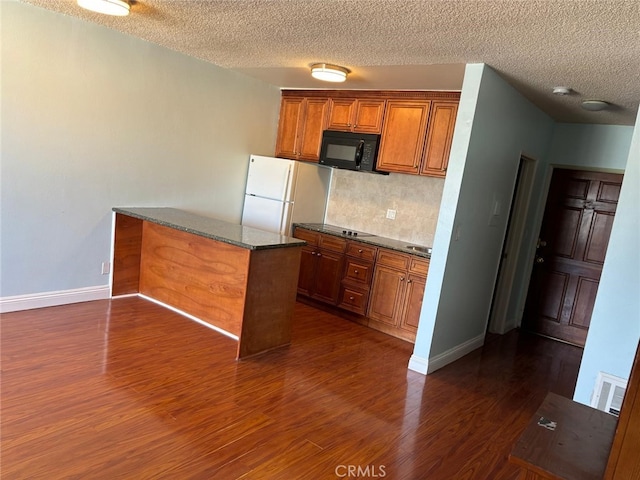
(561, 90)
(329, 73)
(119, 8)
(594, 105)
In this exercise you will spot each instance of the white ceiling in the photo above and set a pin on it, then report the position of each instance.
(592, 46)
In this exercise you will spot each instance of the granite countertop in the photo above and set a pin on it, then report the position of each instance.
(238, 235)
(364, 237)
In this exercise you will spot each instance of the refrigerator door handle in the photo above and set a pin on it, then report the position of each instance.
(286, 193)
(285, 225)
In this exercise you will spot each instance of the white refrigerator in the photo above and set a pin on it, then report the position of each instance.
(281, 192)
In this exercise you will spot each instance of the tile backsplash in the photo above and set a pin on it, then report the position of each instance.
(360, 201)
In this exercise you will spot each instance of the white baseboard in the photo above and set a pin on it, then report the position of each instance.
(52, 299)
(428, 365)
(419, 364)
(453, 354)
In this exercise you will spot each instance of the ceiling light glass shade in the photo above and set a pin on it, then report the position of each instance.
(594, 105)
(329, 73)
(119, 8)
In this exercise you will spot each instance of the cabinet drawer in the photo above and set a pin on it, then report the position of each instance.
(360, 250)
(419, 266)
(358, 271)
(329, 242)
(391, 259)
(354, 300)
(307, 235)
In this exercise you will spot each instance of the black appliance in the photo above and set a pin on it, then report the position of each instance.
(351, 151)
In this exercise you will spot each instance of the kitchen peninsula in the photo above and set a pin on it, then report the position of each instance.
(239, 280)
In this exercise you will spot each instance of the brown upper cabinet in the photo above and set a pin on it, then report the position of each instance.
(356, 115)
(416, 127)
(403, 136)
(302, 121)
(439, 137)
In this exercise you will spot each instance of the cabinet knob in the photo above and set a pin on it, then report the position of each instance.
(319, 254)
(409, 281)
(356, 271)
(359, 250)
(351, 298)
(402, 279)
(313, 253)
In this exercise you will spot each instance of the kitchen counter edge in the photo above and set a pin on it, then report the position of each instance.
(384, 242)
(212, 228)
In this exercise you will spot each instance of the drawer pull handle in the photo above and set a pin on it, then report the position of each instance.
(319, 254)
(359, 250)
(356, 271)
(351, 298)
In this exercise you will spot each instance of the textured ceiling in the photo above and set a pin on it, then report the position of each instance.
(592, 46)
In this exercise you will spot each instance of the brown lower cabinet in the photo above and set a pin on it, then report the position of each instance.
(382, 287)
(396, 293)
(320, 265)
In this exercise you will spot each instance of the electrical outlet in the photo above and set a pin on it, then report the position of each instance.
(391, 214)
(106, 268)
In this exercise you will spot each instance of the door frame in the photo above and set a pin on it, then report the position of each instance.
(512, 246)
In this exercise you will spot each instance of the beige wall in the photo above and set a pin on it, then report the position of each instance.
(360, 201)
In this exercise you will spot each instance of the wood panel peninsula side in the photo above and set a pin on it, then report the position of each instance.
(237, 279)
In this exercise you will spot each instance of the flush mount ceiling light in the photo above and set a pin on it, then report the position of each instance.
(594, 105)
(561, 91)
(119, 8)
(329, 73)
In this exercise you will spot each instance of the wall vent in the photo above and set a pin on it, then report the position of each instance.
(609, 393)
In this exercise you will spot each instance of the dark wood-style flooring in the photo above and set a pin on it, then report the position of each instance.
(129, 390)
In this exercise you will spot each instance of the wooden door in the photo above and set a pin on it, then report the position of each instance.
(387, 294)
(403, 136)
(313, 124)
(291, 114)
(341, 114)
(413, 303)
(306, 277)
(368, 116)
(328, 276)
(573, 241)
(439, 138)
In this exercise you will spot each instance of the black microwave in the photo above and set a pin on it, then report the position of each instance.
(351, 151)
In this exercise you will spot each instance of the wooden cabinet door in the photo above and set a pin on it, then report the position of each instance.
(439, 137)
(356, 115)
(291, 113)
(307, 275)
(313, 123)
(327, 276)
(368, 115)
(341, 114)
(387, 292)
(403, 136)
(413, 303)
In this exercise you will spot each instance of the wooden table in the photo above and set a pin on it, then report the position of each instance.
(239, 280)
(577, 449)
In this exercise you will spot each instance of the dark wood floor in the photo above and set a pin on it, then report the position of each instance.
(126, 389)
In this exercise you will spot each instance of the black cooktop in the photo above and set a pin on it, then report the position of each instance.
(344, 232)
